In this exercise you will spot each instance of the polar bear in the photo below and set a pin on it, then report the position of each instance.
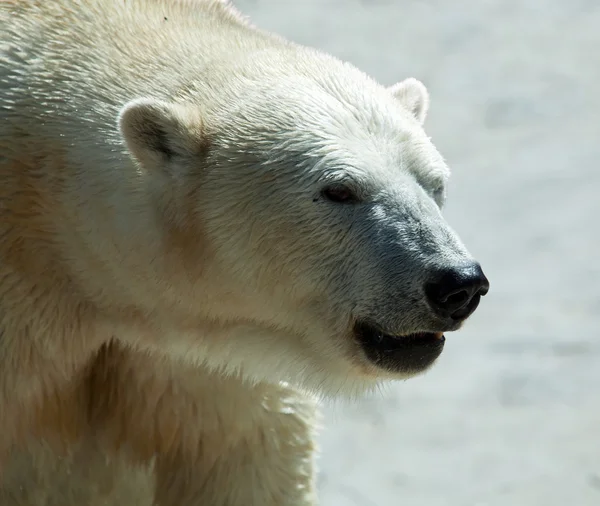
(203, 226)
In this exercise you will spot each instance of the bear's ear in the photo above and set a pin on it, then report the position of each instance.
(413, 95)
(158, 133)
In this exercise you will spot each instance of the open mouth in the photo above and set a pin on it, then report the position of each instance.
(410, 353)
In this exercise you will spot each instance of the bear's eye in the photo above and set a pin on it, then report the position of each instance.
(340, 194)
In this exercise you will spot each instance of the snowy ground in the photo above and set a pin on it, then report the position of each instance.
(511, 414)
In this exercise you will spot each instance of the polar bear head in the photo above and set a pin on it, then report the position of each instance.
(318, 195)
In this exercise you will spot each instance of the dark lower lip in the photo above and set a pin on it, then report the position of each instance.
(409, 354)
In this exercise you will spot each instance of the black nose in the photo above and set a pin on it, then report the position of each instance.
(455, 292)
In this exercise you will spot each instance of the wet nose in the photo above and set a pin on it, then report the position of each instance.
(455, 292)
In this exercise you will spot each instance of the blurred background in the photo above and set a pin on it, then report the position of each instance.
(511, 413)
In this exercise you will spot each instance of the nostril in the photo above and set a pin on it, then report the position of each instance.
(467, 309)
(458, 298)
(455, 292)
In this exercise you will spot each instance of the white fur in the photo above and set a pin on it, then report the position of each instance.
(161, 172)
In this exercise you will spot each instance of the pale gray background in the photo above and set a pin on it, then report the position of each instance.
(511, 414)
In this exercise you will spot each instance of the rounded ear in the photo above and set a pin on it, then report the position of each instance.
(157, 133)
(414, 96)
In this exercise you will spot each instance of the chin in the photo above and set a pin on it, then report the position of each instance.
(350, 366)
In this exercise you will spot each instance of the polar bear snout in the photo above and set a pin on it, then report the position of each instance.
(451, 296)
(455, 292)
